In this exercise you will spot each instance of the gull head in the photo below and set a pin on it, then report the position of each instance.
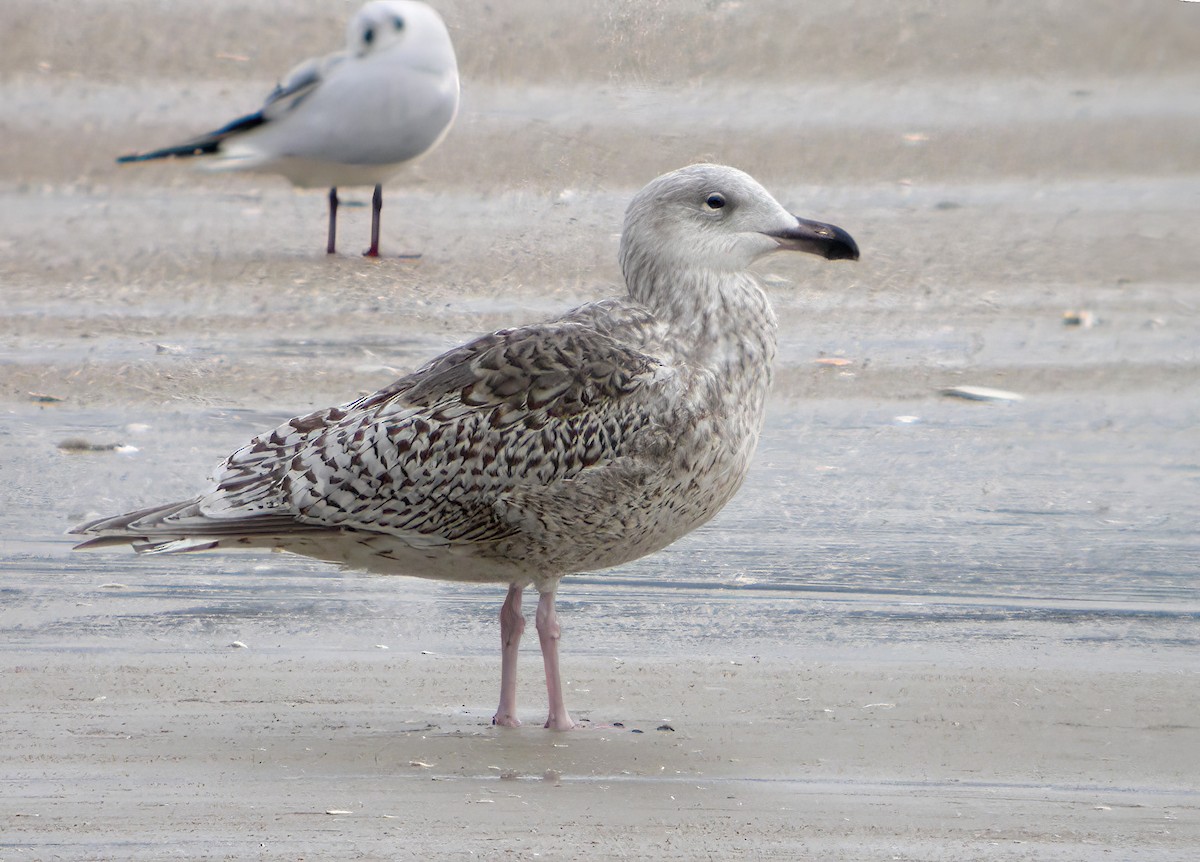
(719, 219)
(384, 24)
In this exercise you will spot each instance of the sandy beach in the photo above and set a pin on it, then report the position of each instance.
(929, 628)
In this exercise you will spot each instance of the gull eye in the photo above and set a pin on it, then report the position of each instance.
(398, 23)
(369, 35)
(715, 201)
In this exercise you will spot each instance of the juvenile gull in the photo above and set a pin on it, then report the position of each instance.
(352, 118)
(537, 452)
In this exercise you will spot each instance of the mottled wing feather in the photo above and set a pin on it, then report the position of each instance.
(445, 454)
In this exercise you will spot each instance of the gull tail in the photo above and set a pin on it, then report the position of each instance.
(205, 145)
(181, 527)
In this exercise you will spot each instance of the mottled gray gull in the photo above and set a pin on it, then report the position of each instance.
(353, 118)
(537, 452)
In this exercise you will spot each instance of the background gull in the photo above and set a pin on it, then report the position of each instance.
(351, 118)
(536, 452)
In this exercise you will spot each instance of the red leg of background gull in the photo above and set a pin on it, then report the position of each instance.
(333, 205)
(512, 625)
(549, 634)
(376, 207)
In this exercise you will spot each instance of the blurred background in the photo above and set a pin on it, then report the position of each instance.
(1024, 182)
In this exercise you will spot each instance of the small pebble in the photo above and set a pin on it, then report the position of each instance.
(982, 393)
(78, 444)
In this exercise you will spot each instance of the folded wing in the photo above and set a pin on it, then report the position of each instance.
(444, 455)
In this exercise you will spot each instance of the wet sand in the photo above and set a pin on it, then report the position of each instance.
(927, 628)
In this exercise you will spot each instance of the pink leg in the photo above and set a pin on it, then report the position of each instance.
(512, 626)
(376, 208)
(549, 634)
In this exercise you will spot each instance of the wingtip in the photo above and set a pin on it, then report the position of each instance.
(82, 529)
(102, 542)
(169, 153)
